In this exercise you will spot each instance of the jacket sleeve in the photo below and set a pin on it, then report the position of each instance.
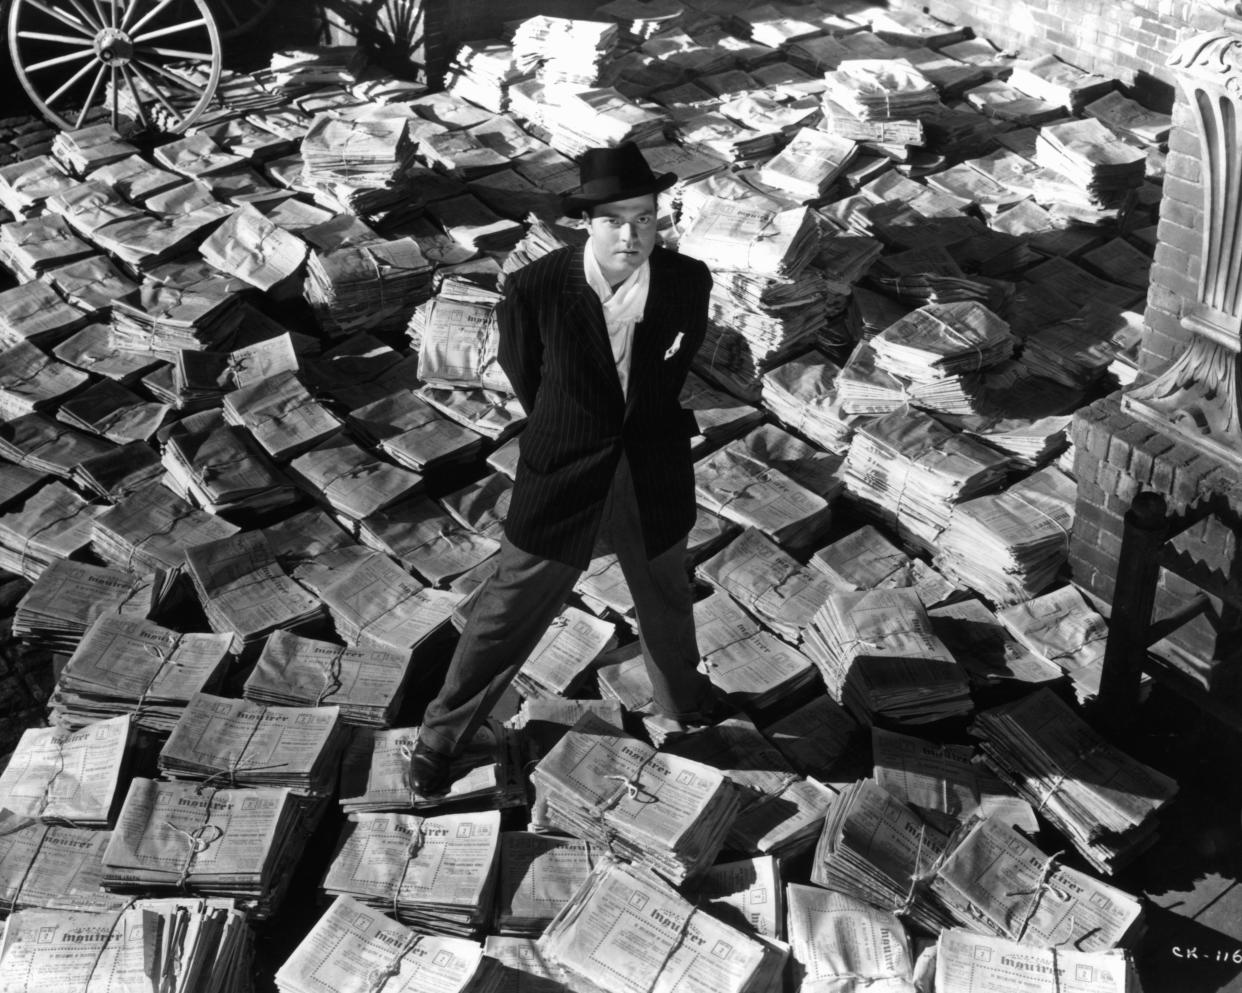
(521, 346)
(696, 322)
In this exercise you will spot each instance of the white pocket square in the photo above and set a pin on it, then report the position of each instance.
(672, 349)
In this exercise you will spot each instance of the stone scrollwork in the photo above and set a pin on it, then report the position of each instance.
(1198, 395)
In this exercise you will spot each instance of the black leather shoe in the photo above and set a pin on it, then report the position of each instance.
(430, 771)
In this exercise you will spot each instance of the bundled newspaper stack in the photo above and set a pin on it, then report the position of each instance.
(583, 119)
(1080, 349)
(351, 480)
(995, 881)
(127, 665)
(249, 246)
(781, 812)
(421, 535)
(363, 154)
(910, 470)
(565, 654)
(212, 842)
(537, 875)
(996, 663)
(354, 948)
(1102, 167)
(145, 946)
(91, 284)
(482, 72)
(839, 941)
(68, 596)
(751, 665)
(375, 286)
(1009, 546)
(26, 185)
(219, 466)
(757, 236)
(114, 412)
(563, 50)
(434, 873)
(30, 248)
(768, 582)
(942, 340)
(640, 20)
(1062, 629)
(813, 736)
(84, 150)
(281, 414)
(411, 432)
(877, 849)
(627, 930)
(51, 867)
(224, 740)
(54, 523)
(458, 342)
(486, 774)
(493, 414)
(881, 90)
(163, 320)
(1048, 78)
(152, 529)
(809, 164)
(1130, 119)
(657, 810)
(32, 312)
(1105, 802)
(880, 658)
(245, 592)
(76, 778)
(367, 684)
(969, 961)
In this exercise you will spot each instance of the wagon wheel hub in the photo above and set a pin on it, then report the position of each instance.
(114, 47)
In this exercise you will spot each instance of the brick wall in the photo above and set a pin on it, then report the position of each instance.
(1116, 457)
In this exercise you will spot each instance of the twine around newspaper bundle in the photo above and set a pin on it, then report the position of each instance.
(45, 799)
(235, 766)
(197, 839)
(168, 529)
(417, 837)
(1042, 885)
(165, 658)
(21, 883)
(917, 878)
(960, 336)
(103, 947)
(1048, 517)
(331, 676)
(378, 975)
(21, 561)
(1080, 757)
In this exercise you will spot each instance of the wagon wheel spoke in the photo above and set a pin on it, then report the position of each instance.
(116, 96)
(62, 39)
(133, 90)
(172, 77)
(171, 29)
(90, 97)
(60, 60)
(84, 25)
(137, 26)
(66, 86)
(176, 53)
(172, 111)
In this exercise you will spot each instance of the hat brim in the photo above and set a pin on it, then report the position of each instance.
(575, 204)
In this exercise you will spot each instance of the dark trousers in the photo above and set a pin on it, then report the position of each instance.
(523, 597)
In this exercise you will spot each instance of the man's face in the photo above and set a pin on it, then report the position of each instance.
(623, 234)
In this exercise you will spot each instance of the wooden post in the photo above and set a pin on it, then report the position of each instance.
(1138, 567)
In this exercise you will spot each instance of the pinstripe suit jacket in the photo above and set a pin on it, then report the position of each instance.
(554, 346)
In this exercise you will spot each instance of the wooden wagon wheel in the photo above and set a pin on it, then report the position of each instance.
(73, 56)
(238, 16)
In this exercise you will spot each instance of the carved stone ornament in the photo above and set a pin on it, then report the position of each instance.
(1198, 395)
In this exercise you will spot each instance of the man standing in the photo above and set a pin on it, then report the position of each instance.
(597, 342)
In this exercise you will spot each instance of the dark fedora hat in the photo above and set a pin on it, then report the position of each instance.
(611, 174)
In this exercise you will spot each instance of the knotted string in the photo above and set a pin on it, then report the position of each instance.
(45, 800)
(1074, 763)
(21, 883)
(167, 529)
(915, 876)
(331, 677)
(378, 975)
(39, 530)
(103, 947)
(196, 839)
(417, 837)
(1042, 884)
(164, 657)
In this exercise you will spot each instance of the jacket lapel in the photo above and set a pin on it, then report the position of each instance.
(585, 310)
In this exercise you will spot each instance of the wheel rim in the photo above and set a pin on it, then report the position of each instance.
(144, 56)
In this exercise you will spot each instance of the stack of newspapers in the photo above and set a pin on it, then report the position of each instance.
(1105, 802)
(152, 529)
(43, 445)
(367, 684)
(54, 523)
(30, 248)
(249, 246)
(563, 50)
(481, 73)
(1011, 545)
(457, 343)
(224, 740)
(602, 116)
(114, 412)
(356, 947)
(813, 736)
(375, 286)
(660, 811)
(881, 90)
(363, 154)
(838, 940)
(1102, 166)
(974, 961)
(536, 877)
(84, 150)
(769, 582)
(51, 866)
(809, 164)
(281, 414)
(209, 841)
(58, 776)
(881, 659)
(1063, 630)
(68, 596)
(434, 873)
(165, 319)
(562, 660)
(942, 340)
(602, 940)
(775, 316)
(421, 535)
(751, 665)
(1048, 78)
(486, 774)
(26, 185)
(351, 480)
(410, 431)
(995, 881)
(127, 665)
(34, 313)
(781, 812)
(993, 659)
(143, 946)
(910, 470)
(877, 849)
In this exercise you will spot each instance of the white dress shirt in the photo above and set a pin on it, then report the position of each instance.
(623, 308)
